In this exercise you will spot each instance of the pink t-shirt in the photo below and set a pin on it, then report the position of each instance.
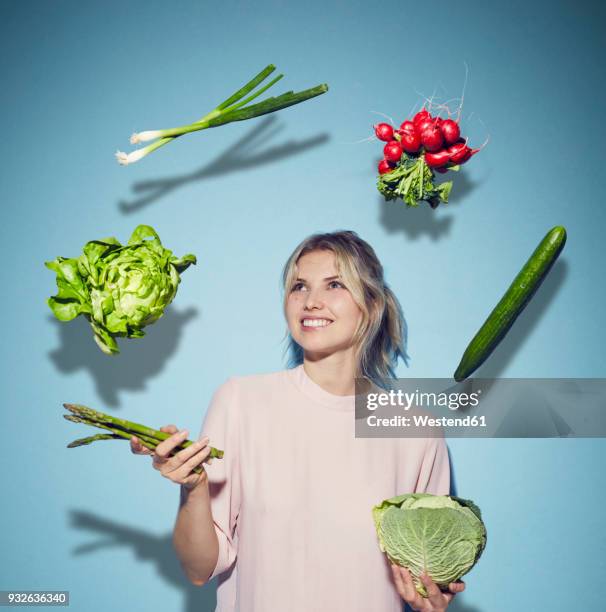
(292, 498)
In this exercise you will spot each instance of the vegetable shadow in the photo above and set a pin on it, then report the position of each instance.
(522, 328)
(146, 547)
(453, 479)
(139, 359)
(423, 220)
(243, 154)
(159, 550)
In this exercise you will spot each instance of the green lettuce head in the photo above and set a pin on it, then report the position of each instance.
(119, 288)
(439, 534)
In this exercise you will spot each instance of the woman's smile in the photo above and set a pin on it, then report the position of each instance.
(314, 323)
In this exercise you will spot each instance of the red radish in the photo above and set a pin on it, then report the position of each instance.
(469, 154)
(437, 160)
(460, 153)
(392, 151)
(384, 167)
(450, 131)
(432, 139)
(410, 141)
(457, 148)
(425, 124)
(421, 116)
(407, 126)
(384, 131)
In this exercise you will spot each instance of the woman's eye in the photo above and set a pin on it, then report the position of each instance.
(297, 287)
(335, 285)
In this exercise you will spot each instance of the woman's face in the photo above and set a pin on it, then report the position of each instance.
(321, 313)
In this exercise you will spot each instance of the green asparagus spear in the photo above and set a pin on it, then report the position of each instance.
(91, 439)
(146, 441)
(135, 429)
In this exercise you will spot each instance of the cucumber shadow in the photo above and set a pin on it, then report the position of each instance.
(423, 220)
(245, 154)
(522, 329)
(148, 547)
(139, 360)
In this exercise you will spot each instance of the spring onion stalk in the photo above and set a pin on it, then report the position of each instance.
(235, 108)
(122, 429)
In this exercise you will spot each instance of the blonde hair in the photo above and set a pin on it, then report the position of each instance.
(380, 339)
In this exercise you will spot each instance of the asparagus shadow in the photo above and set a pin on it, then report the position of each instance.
(139, 360)
(242, 155)
(146, 547)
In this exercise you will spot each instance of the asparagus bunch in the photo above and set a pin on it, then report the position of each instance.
(122, 430)
(235, 108)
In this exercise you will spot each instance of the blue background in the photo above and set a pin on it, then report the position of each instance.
(79, 77)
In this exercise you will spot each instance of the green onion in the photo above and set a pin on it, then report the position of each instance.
(235, 108)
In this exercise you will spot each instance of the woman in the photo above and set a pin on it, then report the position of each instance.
(284, 519)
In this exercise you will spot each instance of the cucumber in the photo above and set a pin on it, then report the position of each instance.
(512, 303)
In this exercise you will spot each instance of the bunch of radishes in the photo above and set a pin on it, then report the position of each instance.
(438, 140)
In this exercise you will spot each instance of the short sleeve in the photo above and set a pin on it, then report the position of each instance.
(434, 476)
(221, 426)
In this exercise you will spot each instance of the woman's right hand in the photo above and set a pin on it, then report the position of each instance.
(178, 467)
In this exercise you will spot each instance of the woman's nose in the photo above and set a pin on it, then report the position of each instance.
(313, 301)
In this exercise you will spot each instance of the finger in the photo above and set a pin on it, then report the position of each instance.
(434, 595)
(183, 455)
(411, 595)
(456, 587)
(174, 462)
(397, 579)
(406, 587)
(191, 481)
(164, 449)
(185, 469)
(137, 448)
(448, 597)
(171, 429)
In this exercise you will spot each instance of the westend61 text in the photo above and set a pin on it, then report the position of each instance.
(425, 421)
(420, 399)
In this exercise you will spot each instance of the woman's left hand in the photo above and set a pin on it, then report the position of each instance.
(436, 601)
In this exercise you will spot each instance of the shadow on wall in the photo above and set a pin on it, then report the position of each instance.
(159, 550)
(453, 480)
(146, 547)
(458, 605)
(139, 360)
(423, 220)
(514, 341)
(244, 154)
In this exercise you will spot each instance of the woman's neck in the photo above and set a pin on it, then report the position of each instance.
(334, 373)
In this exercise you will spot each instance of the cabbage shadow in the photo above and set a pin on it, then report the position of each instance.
(244, 154)
(157, 549)
(139, 359)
